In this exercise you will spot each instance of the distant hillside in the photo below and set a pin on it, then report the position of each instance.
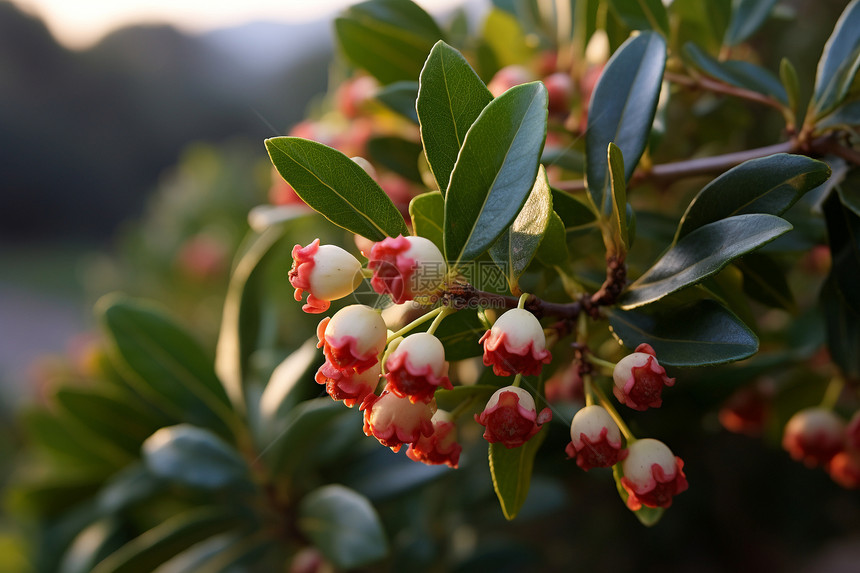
(84, 135)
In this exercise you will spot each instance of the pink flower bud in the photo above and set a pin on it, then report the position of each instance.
(844, 468)
(417, 368)
(441, 446)
(639, 379)
(348, 385)
(508, 77)
(595, 440)
(353, 338)
(653, 475)
(395, 421)
(746, 411)
(510, 417)
(516, 344)
(406, 268)
(814, 436)
(327, 272)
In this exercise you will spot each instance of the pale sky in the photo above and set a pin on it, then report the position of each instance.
(80, 23)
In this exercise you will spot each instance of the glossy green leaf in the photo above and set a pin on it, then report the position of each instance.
(516, 247)
(843, 231)
(703, 253)
(642, 14)
(690, 333)
(564, 157)
(388, 38)
(765, 281)
(511, 470)
(737, 73)
(164, 362)
(400, 97)
(573, 212)
(396, 154)
(505, 37)
(495, 171)
(839, 62)
(618, 189)
(298, 432)
(849, 191)
(767, 185)
(788, 77)
(622, 109)
(194, 457)
(747, 17)
(459, 334)
(553, 249)
(451, 96)
(128, 487)
(334, 185)
(845, 117)
(175, 534)
(843, 329)
(428, 216)
(647, 516)
(343, 525)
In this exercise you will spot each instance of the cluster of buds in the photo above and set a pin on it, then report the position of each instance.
(819, 437)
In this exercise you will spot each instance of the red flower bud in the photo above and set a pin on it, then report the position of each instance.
(395, 421)
(441, 446)
(653, 475)
(516, 344)
(595, 439)
(406, 268)
(844, 468)
(417, 368)
(327, 272)
(510, 417)
(639, 379)
(353, 338)
(348, 385)
(814, 436)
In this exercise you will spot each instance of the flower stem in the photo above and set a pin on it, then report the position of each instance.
(517, 379)
(416, 323)
(522, 302)
(832, 393)
(587, 389)
(600, 362)
(604, 401)
(446, 310)
(366, 273)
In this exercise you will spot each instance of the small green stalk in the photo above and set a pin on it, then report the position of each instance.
(832, 393)
(517, 380)
(600, 362)
(416, 323)
(604, 401)
(587, 389)
(445, 311)
(522, 302)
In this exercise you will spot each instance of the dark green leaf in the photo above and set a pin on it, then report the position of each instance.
(343, 525)
(70, 443)
(553, 248)
(764, 280)
(647, 516)
(788, 77)
(843, 329)
(692, 333)
(622, 110)
(495, 171)
(847, 116)
(400, 97)
(843, 230)
(703, 253)
(194, 457)
(573, 212)
(618, 189)
(839, 62)
(849, 191)
(564, 157)
(134, 484)
(91, 545)
(298, 432)
(451, 96)
(388, 38)
(334, 185)
(504, 35)
(737, 73)
(512, 472)
(516, 247)
(642, 14)
(396, 154)
(428, 215)
(478, 393)
(767, 185)
(171, 537)
(459, 334)
(166, 363)
(747, 17)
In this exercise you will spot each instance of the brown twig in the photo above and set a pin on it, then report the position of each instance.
(705, 83)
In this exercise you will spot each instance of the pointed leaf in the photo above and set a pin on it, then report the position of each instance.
(693, 333)
(642, 14)
(343, 525)
(622, 109)
(400, 97)
(747, 17)
(618, 188)
(512, 472)
(788, 77)
(767, 185)
(334, 185)
(839, 61)
(553, 247)
(737, 73)
(573, 212)
(451, 96)
(703, 253)
(495, 171)
(517, 246)
(428, 214)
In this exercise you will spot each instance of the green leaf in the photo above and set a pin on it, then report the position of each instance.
(691, 333)
(451, 96)
(428, 215)
(459, 334)
(504, 35)
(516, 247)
(849, 191)
(166, 363)
(622, 109)
(843, 231)
(737, 73)
(194, 457)
(334, 185)
(747, 17)
(298, 432)
(843, 329)
(573, 212)
(618, 188)
(564, 157)
(479, 394)
(647, 516)
(844, 117)
(553, 249)
(703, 253)
(400, 97)
(388, 38)
(69, 443)
(788, 77)
(512, 472)
(343, 525)
(495, 171)
(169, 538)
(767, 185)
(396, 154)
(765, 281)
(642, 14)
(839, 62)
